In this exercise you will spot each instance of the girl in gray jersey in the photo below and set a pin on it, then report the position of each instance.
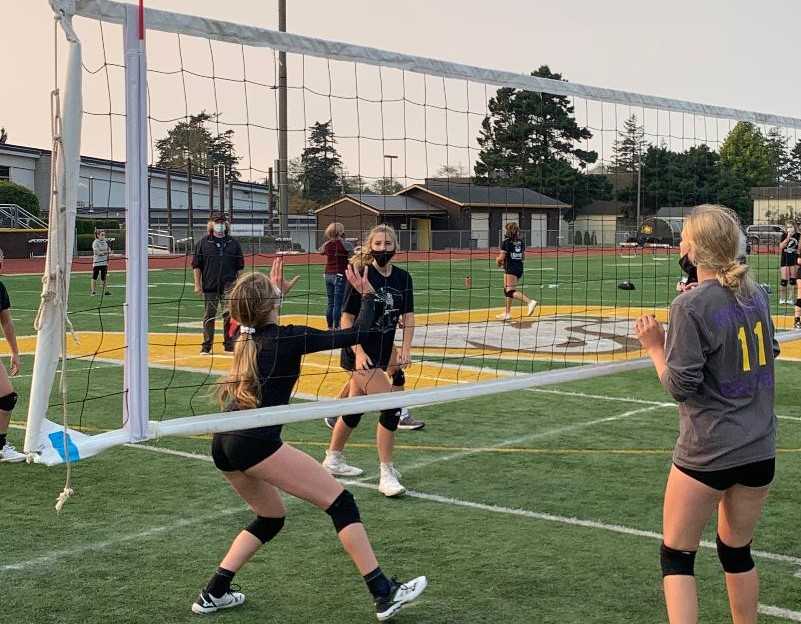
(717, 362)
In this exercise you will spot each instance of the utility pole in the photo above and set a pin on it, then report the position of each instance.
(639, 183)
(283, 185)
(390, 158)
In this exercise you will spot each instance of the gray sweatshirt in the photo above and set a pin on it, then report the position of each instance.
(100, 249)
(725, 393)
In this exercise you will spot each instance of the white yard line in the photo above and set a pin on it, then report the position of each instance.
(44, 560)
(778, 612)
(521, 440)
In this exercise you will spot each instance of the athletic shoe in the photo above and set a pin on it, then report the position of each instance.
(108, 292)
(408, 422)
(92, 293)
(398, 597)
(336, 466)
(10, 455)
(797, 325)
(204, 351)
(388, 483)
(532, 305)
(504, 317)
(330, 422)
(229, 348)
(783, 302)
(206, 603)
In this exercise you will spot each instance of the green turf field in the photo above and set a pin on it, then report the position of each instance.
(536, 506)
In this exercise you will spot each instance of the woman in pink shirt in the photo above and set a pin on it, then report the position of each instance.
(336, 260)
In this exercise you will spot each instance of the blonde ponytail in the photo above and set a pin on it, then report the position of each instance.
(253, 298)
(715, 235)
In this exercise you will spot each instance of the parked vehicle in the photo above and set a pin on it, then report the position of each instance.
(764, 234)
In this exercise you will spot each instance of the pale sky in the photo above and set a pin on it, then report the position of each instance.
(728, 52)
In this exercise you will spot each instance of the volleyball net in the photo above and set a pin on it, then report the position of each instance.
(166, 121)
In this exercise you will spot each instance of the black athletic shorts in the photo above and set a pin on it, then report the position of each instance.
(757, 474)
(101, 271)
(789, 260)
(516, 271)
(240, 450)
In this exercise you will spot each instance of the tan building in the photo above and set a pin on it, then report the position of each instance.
(776, 204)
(450, 213)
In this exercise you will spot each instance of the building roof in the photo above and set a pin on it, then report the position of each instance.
(784, 191)
(389, 204)
(468, 193)
(675, 212)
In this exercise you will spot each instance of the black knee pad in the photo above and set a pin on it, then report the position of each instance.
(398, 378)
(792, 281)
(735, 560)
(390, 419)
(510, 292)
(265, 529)
(783, 283)
(798, 303)
(343, 511)
(677, 562)
(352, 420)
(8, 402)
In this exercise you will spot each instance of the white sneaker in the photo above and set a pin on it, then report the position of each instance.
(504, 317)
(532, 305)
(206, 603)
(388, 483)
(335, 465)
(398, 597)
(10, 455)
(782, 301)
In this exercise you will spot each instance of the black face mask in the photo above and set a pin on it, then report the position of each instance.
(685, 264)
(382, 258)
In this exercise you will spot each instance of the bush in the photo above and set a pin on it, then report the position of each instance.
(593, 239)
(11, 193)
(577, 239)
(88, 226)
(587, 239)
(84, 242)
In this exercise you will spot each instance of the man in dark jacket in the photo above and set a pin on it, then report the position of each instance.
(217, 261)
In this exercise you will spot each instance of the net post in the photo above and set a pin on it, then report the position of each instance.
(51, 318)
(135, 396)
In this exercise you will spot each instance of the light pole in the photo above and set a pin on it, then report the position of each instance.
(390, 158)
(91, 189)
(283, 151)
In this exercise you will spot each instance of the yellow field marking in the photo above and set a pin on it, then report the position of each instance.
(321, 374)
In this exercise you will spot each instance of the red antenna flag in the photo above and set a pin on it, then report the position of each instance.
(141, 20)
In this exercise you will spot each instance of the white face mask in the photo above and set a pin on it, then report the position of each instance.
(219, 228)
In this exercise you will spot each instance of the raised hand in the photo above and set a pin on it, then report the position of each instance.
(359, 281)
(277, 276)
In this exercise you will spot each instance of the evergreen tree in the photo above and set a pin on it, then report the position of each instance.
(321, 164)
(386, 186)
(629, 147)
(3, 136)
(532, 139)
(777, 145)
(794, 164)
(746, 161)
(193, 139)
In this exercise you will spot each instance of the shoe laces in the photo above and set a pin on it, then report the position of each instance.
(8, 448)
(391, 470)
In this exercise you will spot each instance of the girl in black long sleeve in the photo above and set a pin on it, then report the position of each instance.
(257, 463)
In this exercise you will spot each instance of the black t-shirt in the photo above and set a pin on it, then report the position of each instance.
(394, 297)
(280, 351)
(219, 259)
(515, 249)
(792, 245)
(5, 302)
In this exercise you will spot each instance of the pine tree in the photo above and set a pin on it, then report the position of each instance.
(532, 139)
(629, 147)
(794, 164)
(779, 154)
(192, 139)
(3, 136)
(321, 164)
